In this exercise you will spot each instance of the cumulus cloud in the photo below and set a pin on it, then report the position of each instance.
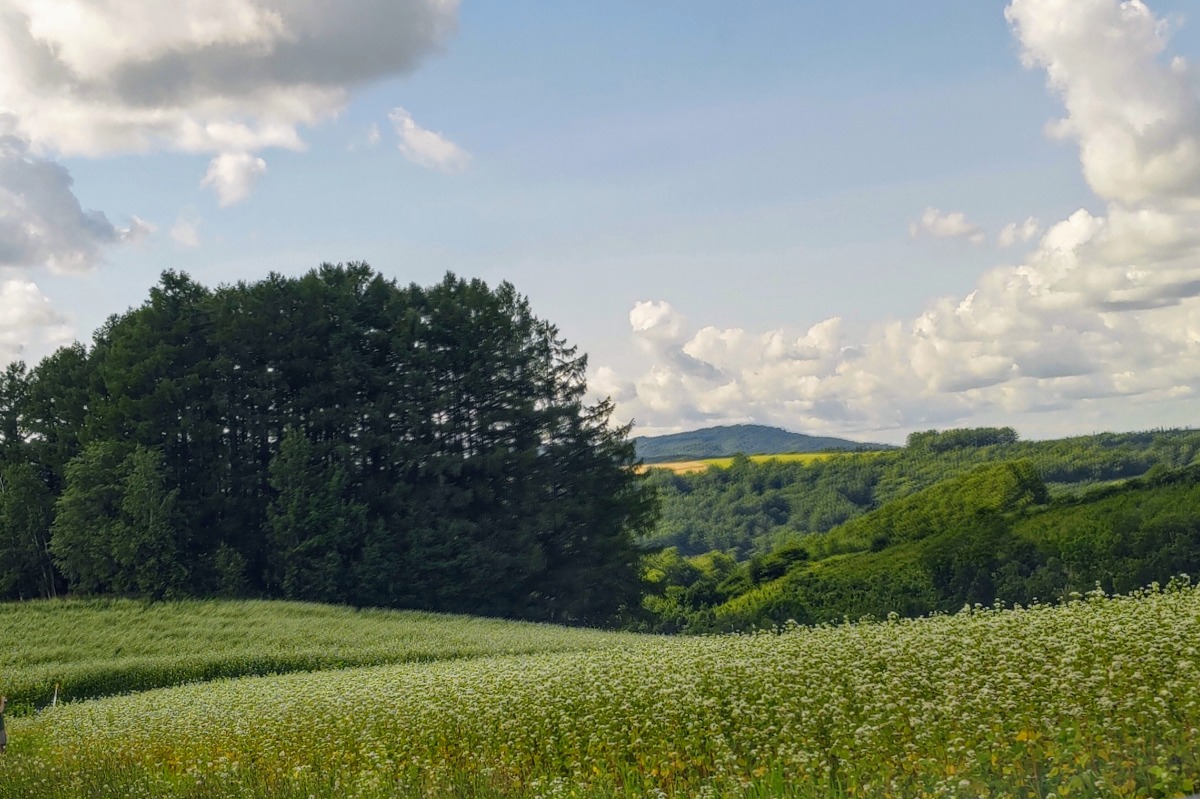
(224, 77)
(41, 220)
(1135, 116)
(425, 147)
(93, 77)
(29, 325)
(951, 225)
(1105, 307)
(1018, 232)
(233, 175)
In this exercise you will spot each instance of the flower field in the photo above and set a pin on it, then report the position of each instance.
(103, 647)
(1097, 697)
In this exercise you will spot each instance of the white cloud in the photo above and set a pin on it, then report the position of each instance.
(950, 225)
(373, 135)
(1136, 118)
(425, 147)
(97, 77)
(41, 221)
(1018, 232)
(233, 175)
(29, 325)
(186, 230)
(1104, 309)
(94, 77)
(138, 230)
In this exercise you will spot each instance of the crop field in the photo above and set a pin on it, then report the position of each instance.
(687, 467)
(102, 647)
(1099, 697)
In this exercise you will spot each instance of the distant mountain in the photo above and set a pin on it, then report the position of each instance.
(749, 439)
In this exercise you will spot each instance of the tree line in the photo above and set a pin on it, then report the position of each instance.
(334, 437)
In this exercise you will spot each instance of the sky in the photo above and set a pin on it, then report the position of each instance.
(857, 219)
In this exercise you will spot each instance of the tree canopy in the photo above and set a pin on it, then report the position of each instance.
(336, 437)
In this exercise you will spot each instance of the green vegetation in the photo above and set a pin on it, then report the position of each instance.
(334, 437)
(716, 442)
(990, 534)
(100, 647)
(754, 506)
(1092, 698)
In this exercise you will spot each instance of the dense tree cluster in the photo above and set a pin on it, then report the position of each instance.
(334, 437)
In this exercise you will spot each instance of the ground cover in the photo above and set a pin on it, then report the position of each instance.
(1096, 697)
(95, 648)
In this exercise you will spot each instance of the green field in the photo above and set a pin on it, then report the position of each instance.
(685, 467)
(101, 647)
(1096, 697)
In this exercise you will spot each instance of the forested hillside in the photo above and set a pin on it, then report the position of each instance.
(335, 437)
(746, 439)
(991, 534)
(750, 508)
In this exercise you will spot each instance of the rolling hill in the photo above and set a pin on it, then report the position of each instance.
(749, 439)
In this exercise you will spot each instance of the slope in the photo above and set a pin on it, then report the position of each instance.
(748, 439)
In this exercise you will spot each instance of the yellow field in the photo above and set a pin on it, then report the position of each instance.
(688, 467)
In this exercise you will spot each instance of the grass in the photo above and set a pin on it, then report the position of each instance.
(1095, 697)
(95, 648)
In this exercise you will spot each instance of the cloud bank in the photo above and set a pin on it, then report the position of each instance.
(1103, 306)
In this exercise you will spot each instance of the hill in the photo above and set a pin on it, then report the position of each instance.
(1044, 701)
(985, 536)
(748, 439)
(751, 507)
(93, 648)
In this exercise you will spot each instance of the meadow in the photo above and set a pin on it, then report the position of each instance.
(1097, 697)
(93, 648)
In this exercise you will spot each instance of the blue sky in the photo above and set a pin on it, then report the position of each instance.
(691, 191)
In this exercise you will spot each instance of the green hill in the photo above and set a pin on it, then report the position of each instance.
(748, 439)
(986, 536)
(1043, 701)
(96, 648)
(751, 508)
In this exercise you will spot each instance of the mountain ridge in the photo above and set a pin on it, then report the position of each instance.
(748, 439)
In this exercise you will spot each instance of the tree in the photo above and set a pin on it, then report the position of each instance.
(314, 528)
(116, 527)
(87, 519)
(26, 512)
(146, 545)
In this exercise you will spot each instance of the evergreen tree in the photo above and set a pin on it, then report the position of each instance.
(146, 547)
(26, 512)
(314, 528)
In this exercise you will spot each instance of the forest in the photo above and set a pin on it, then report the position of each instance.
(334, 437)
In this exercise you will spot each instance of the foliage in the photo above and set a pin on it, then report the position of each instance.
(757, 506)
(983, 537)
(334, 436)
(1095, 697)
